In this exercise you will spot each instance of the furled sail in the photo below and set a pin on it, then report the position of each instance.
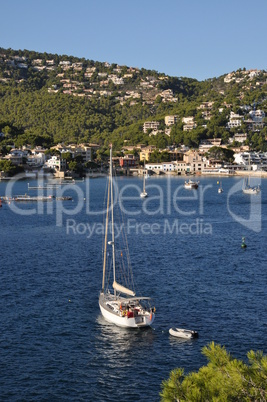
(122, 289)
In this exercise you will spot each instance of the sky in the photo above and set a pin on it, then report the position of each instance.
(199, 39)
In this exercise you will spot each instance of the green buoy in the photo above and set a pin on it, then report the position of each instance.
(243, 245)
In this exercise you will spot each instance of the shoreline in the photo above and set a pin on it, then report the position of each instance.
(260, 174)
(251, 173)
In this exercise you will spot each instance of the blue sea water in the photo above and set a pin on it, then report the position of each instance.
(186, 253)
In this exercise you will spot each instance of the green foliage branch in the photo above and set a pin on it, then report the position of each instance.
(223, 379)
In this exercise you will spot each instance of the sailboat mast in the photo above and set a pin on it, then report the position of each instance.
(144, 180)
(106, 238)
(112, 219)
(248, 181)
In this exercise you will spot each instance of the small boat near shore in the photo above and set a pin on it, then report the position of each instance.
(64, 198)
(183, 333)
(190, 184)
(28, 198)
(4, 199)
(143, 194)
(247, 189)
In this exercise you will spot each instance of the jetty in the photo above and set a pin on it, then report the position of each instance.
(45, 187)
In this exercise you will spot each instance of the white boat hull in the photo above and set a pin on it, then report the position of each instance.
(143, 194)
(190, 185)
(117, 317)
(251, 190)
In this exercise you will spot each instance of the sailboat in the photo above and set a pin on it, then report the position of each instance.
(247, 189)
(118, 301)
(190, 184)
(220, 189)
(144, 193)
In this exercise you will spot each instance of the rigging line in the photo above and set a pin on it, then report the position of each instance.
(124, 241)
(104, 218)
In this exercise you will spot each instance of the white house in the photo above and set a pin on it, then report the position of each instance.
(235, 120)
(36, 160)
(240, 137)
(156, 167)
(188, 120)
(16, 156)
(53, 163)
(257, 116)
(171, 120)
(189, 123)
(168, 167)
(150, 125)
(254, 159)
(85, 152)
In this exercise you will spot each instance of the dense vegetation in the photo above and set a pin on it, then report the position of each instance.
(223, 379)
(47, 105)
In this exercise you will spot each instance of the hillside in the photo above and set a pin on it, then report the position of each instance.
(47, 98)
